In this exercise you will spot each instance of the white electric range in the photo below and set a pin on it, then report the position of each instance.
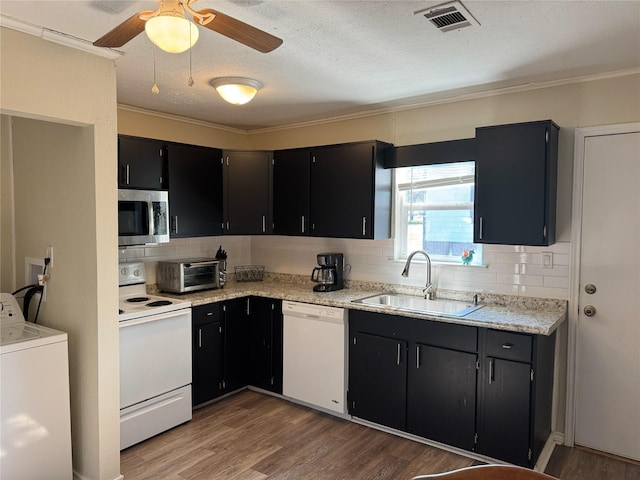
(155, 359)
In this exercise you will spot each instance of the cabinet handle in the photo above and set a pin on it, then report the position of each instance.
(127, 171)
(490, 372)
(199, 337)
(302, 224)
(507, 346)
(176, 228)
(264, 223)
(480, 228)
(364, 226)
(418, 357)
(398, 359)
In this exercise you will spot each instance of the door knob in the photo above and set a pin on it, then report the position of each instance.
(590, 288)
(589, 310)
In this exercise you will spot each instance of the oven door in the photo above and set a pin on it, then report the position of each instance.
(155, 355)
(143, 217)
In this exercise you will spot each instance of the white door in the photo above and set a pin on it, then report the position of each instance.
(607, 382)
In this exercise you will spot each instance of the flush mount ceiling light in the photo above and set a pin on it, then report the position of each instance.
(236, 90)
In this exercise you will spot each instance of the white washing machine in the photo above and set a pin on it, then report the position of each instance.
(34, 398)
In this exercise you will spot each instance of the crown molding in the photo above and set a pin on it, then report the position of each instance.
(58, 37)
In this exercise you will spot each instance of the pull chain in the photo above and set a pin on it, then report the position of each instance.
(155, 90)
(190, 81)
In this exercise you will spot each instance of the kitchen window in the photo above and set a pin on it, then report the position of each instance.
(434, 211)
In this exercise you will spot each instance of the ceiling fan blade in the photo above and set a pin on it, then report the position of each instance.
(124, 32)
(241, 32)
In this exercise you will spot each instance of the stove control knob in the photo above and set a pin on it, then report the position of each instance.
(124, 271)
(137, 273)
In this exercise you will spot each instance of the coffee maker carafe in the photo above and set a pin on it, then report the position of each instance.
(329, 276)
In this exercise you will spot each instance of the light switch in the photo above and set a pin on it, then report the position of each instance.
(547, 259)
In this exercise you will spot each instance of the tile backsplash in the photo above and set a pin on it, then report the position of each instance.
(507, 270)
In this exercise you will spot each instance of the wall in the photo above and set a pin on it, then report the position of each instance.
(60, 105)
(513, 270)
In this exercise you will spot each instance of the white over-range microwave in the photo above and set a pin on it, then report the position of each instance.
(143, 217)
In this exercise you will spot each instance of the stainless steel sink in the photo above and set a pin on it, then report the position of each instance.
(450, 308)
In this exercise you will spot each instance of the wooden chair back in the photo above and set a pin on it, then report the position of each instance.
(488, 472)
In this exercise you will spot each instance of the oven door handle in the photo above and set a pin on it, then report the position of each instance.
(152, 318)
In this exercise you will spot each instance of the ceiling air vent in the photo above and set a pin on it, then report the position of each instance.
(449, 16)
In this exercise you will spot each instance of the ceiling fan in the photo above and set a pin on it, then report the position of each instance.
(176, 11)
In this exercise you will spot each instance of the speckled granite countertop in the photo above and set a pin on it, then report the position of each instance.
(517, 314)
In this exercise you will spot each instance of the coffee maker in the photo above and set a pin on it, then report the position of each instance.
(329, 276)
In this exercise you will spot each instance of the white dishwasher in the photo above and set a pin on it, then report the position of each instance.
(314, 355)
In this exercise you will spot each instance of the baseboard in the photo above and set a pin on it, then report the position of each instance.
(77, 476)
(555, 438)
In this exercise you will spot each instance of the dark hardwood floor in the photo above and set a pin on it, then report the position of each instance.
(252, 436)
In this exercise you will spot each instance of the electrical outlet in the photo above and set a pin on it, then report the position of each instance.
(48, 253)
(547, 260)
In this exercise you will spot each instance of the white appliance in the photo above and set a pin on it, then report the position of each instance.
(315, 355)
(34, 398)
(155, 359)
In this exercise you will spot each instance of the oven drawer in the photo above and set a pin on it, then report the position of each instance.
(154, 416)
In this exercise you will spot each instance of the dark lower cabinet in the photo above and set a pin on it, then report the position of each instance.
(236, 343)
(265, 343)
(236, 349)
(504, 424)
(378, 379)
(207, 353)
(478, 389)
(441, 404)
(219, 349)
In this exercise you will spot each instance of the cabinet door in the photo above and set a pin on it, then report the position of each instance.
(516, 184)
(141, 163)
(342, 191)
(265, 344)
(236, 351)
(247, 192)
(195, 190)
(441, 402)
(505, 425)
(206, 354)
(378, 379)
(291, 184)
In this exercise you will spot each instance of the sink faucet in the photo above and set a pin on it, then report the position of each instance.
(428, 289)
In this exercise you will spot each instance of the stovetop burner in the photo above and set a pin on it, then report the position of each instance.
(137, 299)
(159, 303)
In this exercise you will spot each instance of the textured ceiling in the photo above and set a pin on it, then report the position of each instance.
(348, 57)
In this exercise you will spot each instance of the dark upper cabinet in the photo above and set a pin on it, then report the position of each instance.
(350, 191)
(207, 353)
(265, 343)
(195, 190)
(247, 180)
(291, 191)
(141, 163)
(516, 176)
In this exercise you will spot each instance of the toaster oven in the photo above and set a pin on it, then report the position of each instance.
(189, 275)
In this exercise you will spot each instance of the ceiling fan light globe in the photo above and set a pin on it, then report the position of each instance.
(236, 91)
(171, 32)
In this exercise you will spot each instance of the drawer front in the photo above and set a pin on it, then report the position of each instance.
(211, 312)
(445, 335)
(509, 345)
